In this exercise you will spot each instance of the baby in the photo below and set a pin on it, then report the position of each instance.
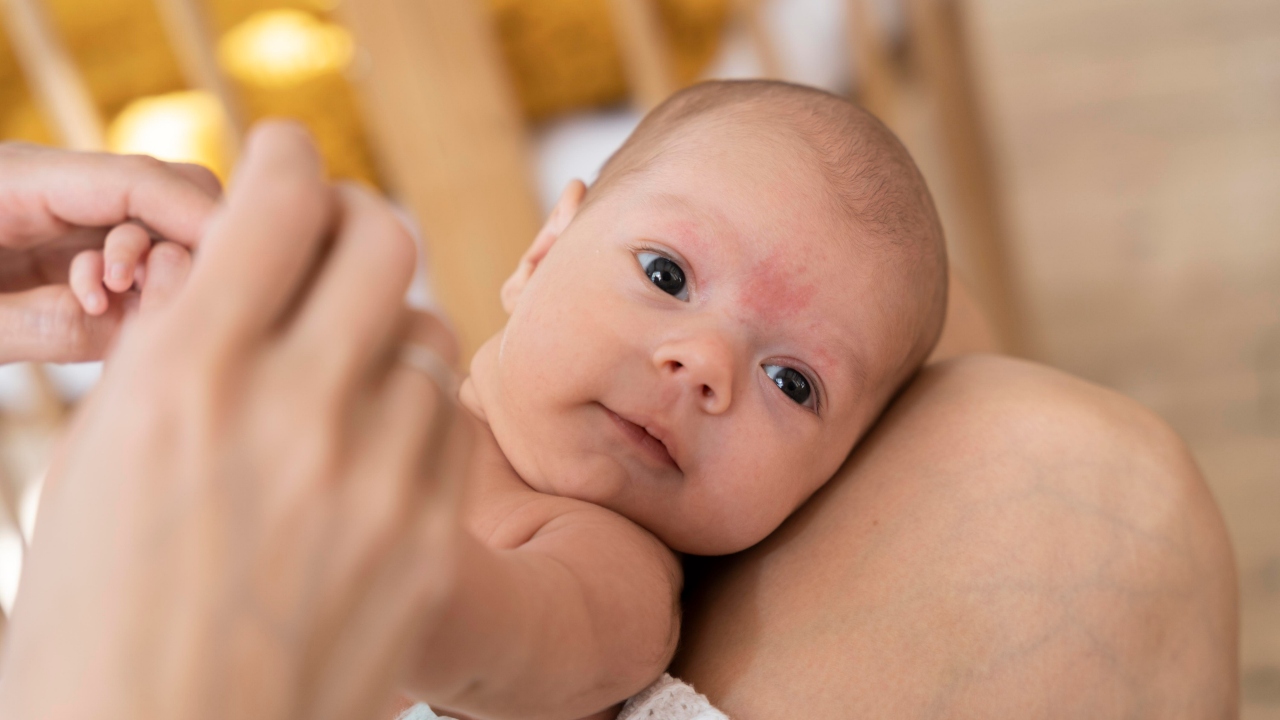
(694, 346)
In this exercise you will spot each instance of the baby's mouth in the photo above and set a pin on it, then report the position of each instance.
(649, 445)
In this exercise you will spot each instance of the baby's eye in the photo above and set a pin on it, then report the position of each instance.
(664, 273)
(792, 383)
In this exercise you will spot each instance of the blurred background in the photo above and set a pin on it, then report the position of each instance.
(1108, 171)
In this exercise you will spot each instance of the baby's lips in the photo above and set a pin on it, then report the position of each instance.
(659, 432)
(666, 438)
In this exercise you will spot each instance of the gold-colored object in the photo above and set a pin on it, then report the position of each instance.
(290, 63)
(55, 83)
(119, 47)
(185, 126)
(284, 48)
(563, 54)
(189, 27)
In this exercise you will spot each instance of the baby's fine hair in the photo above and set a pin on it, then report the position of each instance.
(872, 179)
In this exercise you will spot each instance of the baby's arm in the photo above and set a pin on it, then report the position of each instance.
(580, 614)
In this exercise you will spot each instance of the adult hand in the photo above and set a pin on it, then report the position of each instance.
(252, 511)
(55, 203)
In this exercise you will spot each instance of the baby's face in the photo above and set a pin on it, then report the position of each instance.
(699, 349)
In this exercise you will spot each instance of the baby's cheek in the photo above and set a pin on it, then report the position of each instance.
(784, 481)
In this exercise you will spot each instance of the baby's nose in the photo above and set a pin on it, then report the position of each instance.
(703, 366)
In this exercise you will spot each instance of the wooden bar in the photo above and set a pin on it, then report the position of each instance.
(52, 77)
(871, 56)
(9, 502)
(9, 517)
(450, 140)
(646, 59)
(938, 38)
(194, 41)
(51, 410)
(751, 14)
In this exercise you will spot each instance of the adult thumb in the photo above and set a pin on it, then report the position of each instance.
(47, 324)
(168, 265)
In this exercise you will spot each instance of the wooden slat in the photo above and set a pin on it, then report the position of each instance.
(752, 16)
(50, 409)
(871, 54)
(938, 39)
(52, 77)
(450, 138)
(8, 517)
(192, 37)
(9, 501)
(646, 57)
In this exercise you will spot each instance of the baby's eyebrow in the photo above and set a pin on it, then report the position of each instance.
(827, 354)
(696, 220)
(671, 200)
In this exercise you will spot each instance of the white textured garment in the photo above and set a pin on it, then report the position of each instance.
(666, 699)
(669, 699)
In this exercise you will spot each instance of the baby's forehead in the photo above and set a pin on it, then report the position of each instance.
(759, 247)
(714, 207)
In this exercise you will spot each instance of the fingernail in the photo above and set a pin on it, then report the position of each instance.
(118, 272)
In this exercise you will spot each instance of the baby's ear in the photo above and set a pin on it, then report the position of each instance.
(561, 215)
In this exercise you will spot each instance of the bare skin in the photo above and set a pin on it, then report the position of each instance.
(57, 205)
(1008, 541)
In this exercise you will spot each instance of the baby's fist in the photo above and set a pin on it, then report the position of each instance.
(123, 264)
(115, 268)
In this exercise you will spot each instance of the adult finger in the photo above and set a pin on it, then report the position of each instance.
(46, 192)
(419, 395)
(168, 265)
(259, 249)
(359, 294)
(408, 419)
(200, 176)
(416, 450)
(48, 324)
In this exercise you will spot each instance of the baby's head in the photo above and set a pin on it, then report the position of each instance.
(698, 341)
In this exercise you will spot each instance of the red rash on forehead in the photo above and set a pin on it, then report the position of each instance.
(775, 290)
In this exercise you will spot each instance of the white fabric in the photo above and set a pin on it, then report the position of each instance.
(669, 699)
(419, 712)
(665, 699)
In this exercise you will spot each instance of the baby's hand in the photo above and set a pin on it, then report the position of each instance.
(114, 270)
